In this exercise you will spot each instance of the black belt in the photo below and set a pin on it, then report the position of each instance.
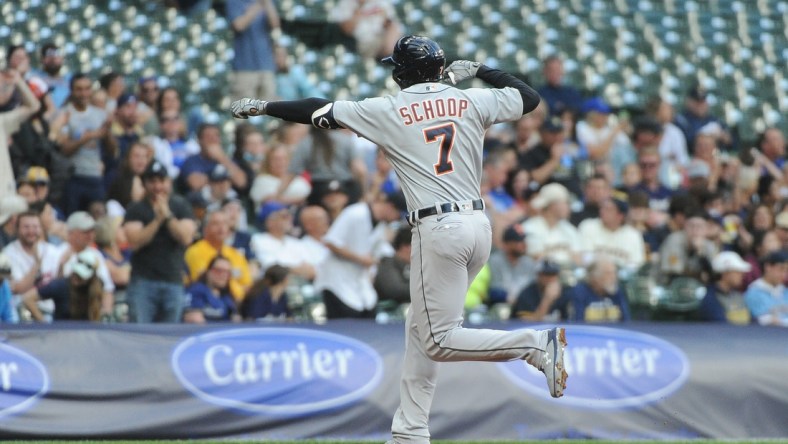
(447, 207)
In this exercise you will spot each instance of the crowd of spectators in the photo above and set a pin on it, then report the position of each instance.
(117, 204)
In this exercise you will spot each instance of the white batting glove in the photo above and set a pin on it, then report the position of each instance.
(460, 70)
(246, 107)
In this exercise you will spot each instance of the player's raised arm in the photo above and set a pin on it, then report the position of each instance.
(314, 111)
(460, 70)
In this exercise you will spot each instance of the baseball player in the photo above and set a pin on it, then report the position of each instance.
(432, 134)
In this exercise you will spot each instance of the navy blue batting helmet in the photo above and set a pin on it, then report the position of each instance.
(416, 59)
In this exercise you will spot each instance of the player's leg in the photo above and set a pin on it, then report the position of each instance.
(417, 387)
(457, 248)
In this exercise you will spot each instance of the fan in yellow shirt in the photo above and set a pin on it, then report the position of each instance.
(200, 254)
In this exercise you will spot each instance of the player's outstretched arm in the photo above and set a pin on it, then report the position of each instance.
(314, 111)
(460, 70)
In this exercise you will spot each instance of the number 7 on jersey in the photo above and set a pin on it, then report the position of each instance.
(445, 135)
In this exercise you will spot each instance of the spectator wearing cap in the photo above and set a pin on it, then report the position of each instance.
(356, 240)
(604, 139)
(610, 235)
(546, 298)
(81, 238)
(276, 246)
(200, 254)
(196, 169)
(767, 297)
(550, 235)
(51, 73)
(595, 191)
(34, 187)
(558, 95)
(219, 187)
(553, 160)
(336, 197)
(687, 252)
(7, 309)
(12, 115)
(78, 295)
(511, 269)
(11, 205)
(392, 278)
(600, 298)
(696, 118)
(266, 185)
(658, 194)
(84, 137)
(724, 301)
(126, 130)
(158, 228)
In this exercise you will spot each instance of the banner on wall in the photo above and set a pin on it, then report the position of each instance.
(340, 381)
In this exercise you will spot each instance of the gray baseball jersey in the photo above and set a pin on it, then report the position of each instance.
(432, 134)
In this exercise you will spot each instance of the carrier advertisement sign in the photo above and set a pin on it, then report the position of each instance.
(610, 368)
(23, 380)
(277, 371)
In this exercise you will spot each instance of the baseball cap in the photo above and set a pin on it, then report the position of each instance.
(335, 186)
(647, 124)
(552, 125)
(80, 221)
(11, 205)
(514, 233)
(776, 257)
(126, 98)
(270, 208)
(155, 169)
(698, 168)
(196, 199)
(219, 173)
(550, 193)
(596, 104)
(621, 205)
(547, 266)
(36, 175)
(697, 92)
(729, 261)
(85, 264)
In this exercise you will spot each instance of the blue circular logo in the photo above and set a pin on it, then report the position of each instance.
(23, 380)
(278, 371)
(609, 368)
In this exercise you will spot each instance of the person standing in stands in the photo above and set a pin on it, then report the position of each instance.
(256, 26)
(158, 228)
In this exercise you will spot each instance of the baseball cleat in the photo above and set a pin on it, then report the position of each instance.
(553, 362)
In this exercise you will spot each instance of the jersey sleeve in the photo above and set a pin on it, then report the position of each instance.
(497, 104)
(363, 117)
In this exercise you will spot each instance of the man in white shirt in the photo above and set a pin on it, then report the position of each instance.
(355, 239)
(34, 261)
(550, 235)
(315, 223)
(609, 235)
(276, 246)
(82, 236)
